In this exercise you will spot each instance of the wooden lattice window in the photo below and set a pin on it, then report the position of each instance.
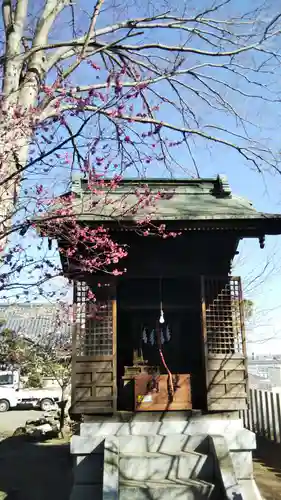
(94, 324)
(224, 315)
(99, 334)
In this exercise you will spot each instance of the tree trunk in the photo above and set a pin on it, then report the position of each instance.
(9, 188)
(62, 407)
(16, 134)
(20, 89)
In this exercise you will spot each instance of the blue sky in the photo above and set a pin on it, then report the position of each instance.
(263, 190)
(265, 328)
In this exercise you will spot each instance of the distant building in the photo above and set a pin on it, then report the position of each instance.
(266, 369)
(259, 383)
(37, 322)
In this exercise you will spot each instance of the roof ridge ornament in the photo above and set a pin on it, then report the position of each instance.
(79, 183)
(221, 187)
(76, 183)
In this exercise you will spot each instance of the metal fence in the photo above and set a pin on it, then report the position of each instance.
(264, 414)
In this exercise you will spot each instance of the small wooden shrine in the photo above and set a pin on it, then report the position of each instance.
(170, 333)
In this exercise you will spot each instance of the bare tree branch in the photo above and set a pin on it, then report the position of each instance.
(87, 97)
(92, 26)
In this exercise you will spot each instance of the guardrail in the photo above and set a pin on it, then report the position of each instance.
(264, 414)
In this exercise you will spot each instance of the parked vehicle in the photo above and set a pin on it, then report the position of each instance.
(12, 396)
(10, 378)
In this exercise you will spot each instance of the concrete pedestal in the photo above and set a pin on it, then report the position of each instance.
(134, 456)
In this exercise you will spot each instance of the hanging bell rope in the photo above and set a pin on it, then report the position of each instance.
(158, 332)
(161, 319)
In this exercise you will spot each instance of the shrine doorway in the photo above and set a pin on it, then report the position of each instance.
(180, 334)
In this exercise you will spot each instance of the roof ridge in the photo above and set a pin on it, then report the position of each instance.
(76, 177)
(165, 180)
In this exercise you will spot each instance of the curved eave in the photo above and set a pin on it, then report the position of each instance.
(243, 228)
(259, 225)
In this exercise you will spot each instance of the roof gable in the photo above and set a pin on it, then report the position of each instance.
(184, 199)
(185, 204)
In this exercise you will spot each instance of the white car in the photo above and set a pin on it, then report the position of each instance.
(41, 398)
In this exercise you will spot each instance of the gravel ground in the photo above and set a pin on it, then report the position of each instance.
(10, 420)
(267, 466)
(30, 471)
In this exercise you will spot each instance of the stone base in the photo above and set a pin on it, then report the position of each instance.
(216, 452)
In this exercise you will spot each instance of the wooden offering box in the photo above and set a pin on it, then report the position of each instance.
(157, 399)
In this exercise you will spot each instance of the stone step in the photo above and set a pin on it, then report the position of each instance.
(249, 489)
(165, 490)
(143, 424)
(163, 444)
(157, 466)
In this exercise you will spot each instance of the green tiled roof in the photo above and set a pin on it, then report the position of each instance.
(188, 200)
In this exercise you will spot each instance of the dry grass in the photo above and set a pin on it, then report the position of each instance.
(268, 482)
(267, 468)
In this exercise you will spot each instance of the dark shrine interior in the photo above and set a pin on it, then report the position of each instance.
(139, 308)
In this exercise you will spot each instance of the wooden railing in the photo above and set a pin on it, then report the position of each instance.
(264, 414)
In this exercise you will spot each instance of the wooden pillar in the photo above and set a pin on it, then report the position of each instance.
(94, 388)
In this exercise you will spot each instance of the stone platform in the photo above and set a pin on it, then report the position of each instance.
(164, 457)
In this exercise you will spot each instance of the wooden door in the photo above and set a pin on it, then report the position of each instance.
(224, 343)
(94, 354)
